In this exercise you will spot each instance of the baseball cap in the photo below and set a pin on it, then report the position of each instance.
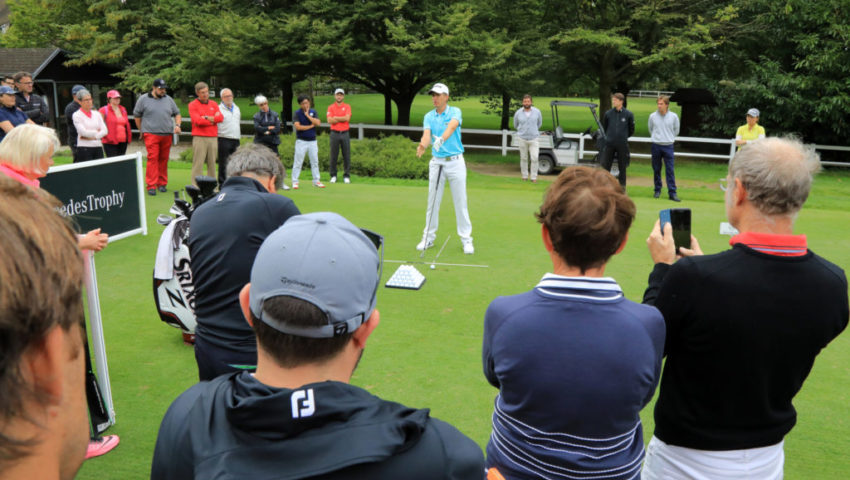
(76, 88)
(439, 88)
(113, 94)
(339, 90)
(323, 259)
(6, 90)
(753, 112)
(159, 83)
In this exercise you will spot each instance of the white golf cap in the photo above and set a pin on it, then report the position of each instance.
(439, 88)
(339, 90)
(753, 112)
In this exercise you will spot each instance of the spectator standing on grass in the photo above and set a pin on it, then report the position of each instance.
(743, 326)
(10, 115)
(266, 125)
(118, 123)
(70, 109)
(619, 125)
(205, 117)
(751, 131)
(229, 131)
(663, 130)
(157, 119)
(226, 232)
(311, 303)
(574, 361)
(306, 120)
(43, 420)
(339, 115)
(33, 105)
(90, 129)
(527, 122)
(443, 124)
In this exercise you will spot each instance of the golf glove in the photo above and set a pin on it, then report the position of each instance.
(438, 143)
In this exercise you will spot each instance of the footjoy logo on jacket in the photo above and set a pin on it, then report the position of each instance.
(302, 403)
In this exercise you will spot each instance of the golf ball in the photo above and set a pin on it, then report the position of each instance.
(433, 266)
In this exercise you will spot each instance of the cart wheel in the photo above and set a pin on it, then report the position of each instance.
(545, 164)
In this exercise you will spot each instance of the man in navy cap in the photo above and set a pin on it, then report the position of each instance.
(10, 115)
(157, 118)
(311, 302)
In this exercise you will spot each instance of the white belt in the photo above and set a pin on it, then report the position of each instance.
(453, 157)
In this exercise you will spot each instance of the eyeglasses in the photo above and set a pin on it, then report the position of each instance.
(25, 83)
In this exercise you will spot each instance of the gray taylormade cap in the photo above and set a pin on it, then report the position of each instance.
(321, 258)
(753, 112)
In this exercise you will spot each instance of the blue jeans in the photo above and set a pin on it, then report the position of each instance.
(665, 153)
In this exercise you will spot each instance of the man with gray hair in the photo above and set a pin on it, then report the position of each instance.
(226, 232)
(743, 326)
(312, 305)
(229, 131)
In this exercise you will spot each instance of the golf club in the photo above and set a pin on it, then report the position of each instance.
(431, 210)
(441, 251)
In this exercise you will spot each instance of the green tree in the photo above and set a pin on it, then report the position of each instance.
(396, 47)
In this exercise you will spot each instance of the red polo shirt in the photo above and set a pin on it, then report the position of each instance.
(201, 127)
(339, 110)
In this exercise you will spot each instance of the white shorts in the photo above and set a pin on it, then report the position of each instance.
(665, 461)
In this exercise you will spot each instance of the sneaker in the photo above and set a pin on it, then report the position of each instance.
(675, 197)
(102, 445)
(162, 189)
(656, 194)
(468, 249)
(151, 191)
(424, 244)
(333, 179)
(295, 186)
(346, 180)
(319, 185)
(285, 187)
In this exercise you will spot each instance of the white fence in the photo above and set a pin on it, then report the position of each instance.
(502, 144)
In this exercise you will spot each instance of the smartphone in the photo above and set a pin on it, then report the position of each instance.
(680, 219)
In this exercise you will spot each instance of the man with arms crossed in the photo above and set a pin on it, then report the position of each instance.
(339, 114)
(619, 125)
(157, 118)
(43, 418)
(527, 122)
(229, 132)
(743, 326)
(311, 303)
(33, 105)
(574, 361)
(443, 124)
(205, 119)
(226, 232)
(663, 129)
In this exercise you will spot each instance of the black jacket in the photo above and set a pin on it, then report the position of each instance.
(235, 427)
(36, 109)
(619, 125)
(262, 122)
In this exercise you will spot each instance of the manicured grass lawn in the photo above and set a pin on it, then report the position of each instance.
(369, 109)
(426, 350)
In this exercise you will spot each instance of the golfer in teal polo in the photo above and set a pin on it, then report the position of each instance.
(442, 133)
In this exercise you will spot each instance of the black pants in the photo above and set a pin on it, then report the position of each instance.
(340, 140)
(85, 154)
(226, 147)
(214, 361)
(607, 159)
(115, 150)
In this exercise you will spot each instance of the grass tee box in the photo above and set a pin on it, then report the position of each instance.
(426, 352)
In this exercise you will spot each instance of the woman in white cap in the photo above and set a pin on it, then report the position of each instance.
(117, 123)
(751, 131)
(90, 129)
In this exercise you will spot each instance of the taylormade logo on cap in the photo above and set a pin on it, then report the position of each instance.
(439, 88)
(323, 259)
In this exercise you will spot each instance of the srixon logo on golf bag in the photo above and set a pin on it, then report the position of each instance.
(183, 275)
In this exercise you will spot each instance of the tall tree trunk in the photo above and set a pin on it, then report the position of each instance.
(388, 109)
(286, 99)
(506, 111)
(403, 106)
(606, 80)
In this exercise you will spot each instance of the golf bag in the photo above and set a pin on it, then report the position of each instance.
(173, 286)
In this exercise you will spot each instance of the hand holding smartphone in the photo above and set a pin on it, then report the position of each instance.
(680, 219)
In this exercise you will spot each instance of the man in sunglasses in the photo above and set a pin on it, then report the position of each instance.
(298, 416)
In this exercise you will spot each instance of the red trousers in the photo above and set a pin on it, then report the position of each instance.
(158, 146)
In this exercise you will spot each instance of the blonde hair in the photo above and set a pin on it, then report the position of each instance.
(25, 145)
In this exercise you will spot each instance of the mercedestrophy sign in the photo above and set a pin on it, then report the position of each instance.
(94, 202)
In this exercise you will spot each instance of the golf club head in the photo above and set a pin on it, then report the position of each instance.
(207, 186)
(163, 219)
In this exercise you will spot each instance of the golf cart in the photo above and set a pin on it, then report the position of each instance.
(556, 150)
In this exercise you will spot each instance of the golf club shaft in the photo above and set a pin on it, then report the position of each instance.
(431, 210)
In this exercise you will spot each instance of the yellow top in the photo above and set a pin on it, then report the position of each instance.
(745, 133)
